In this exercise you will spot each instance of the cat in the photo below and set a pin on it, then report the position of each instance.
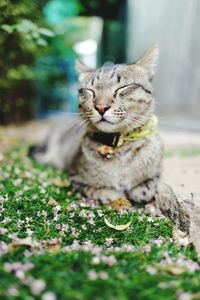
(116, 105)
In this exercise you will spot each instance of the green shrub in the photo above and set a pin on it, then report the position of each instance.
(23, 36)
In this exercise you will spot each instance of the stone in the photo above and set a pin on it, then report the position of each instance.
(183, 209)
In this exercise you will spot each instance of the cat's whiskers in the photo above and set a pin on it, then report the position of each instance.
(133, 122)
(72, 123)
(87, 120)
(139, 117)
(66, 114)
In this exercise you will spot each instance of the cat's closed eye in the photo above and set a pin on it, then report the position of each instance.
(86, 93)
(125, 91)
(81, 91)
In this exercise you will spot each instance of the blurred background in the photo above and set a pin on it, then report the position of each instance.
(40, 40)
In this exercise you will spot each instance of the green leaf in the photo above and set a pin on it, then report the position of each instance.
(26, 26)
(8, 28)
(46, 32)
(41, 42)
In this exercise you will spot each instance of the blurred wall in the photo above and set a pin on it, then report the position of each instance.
(175, 25)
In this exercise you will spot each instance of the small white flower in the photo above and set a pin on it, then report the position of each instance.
(49, 296)
(150, 219)
(109, 241)
(37, 286)
(84, 227)
(12, 291)
(96, 260)
(71, 215)
(151, 270)
(91, 222)
(100, 213)
(103, 275)
(184, 296)
(92, 275)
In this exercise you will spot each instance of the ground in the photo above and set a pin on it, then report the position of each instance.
(54, 246)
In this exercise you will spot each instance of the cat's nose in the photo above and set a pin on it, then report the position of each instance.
(102, 108)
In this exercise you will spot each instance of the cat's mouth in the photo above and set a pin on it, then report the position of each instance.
(106, 125)
(104, 120)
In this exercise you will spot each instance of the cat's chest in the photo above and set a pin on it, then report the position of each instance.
(107, 156)
(116, 170)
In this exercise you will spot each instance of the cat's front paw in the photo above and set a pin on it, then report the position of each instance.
(144, 192)
(104, 196)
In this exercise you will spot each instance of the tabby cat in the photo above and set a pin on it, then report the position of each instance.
(117, 152)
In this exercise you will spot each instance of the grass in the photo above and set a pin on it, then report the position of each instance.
(54, 246)
(183, 153)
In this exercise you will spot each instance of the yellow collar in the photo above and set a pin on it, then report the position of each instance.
(146, 131)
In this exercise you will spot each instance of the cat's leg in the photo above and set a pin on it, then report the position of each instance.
(103, 195)
(144, 192)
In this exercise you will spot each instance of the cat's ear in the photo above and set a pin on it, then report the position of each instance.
(81, 69)
(149, 60)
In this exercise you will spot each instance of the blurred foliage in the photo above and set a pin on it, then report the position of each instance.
(55, 72)
(71, 31)
(107, 9)
(62, 9)
(23, 36)
(57, 11)
(61, 14)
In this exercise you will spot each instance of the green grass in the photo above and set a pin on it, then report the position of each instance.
(54, 247)
(183, 153)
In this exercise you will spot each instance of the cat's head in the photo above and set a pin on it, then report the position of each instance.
(119, 97)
